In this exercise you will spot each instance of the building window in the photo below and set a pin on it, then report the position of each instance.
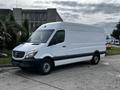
(23, 16)
(40, 16)
(44, 17)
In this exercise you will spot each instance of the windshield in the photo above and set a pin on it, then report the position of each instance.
(40, 36)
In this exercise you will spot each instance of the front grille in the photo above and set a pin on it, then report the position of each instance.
(18, 54)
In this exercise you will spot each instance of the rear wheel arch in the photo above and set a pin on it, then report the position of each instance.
(97, 52)
(96, 58)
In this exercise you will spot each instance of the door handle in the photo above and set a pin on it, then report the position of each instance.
(64, 46)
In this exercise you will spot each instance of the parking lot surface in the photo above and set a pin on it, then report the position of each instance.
(80, 76)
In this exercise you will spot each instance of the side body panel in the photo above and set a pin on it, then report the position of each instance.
(81, 41)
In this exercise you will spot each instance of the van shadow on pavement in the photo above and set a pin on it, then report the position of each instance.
(56, 69)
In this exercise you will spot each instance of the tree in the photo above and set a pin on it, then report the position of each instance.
(116, 32)
(11, 33)
(25, 31)
(8, 31)
(4, 35)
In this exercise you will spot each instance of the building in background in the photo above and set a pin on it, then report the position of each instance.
(36, 17)
(5, 12)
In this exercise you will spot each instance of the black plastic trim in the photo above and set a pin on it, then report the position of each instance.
(75, 56)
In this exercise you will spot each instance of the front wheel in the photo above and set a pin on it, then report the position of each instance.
(45, 67)
(95, 60)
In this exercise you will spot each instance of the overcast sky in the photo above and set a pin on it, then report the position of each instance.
(79, 11)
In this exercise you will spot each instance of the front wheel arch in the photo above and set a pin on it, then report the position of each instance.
(51, 59)
(49, 62)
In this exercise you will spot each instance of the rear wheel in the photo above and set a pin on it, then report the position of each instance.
(45, 67)
(96, 58)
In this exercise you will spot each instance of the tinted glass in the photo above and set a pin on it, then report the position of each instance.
(40, 36)
(58, 37)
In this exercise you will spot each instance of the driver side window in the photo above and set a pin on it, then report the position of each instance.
(58, 37)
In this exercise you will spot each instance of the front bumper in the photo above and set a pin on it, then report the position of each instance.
(26, 62)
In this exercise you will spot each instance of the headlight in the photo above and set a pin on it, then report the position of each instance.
(31, 54)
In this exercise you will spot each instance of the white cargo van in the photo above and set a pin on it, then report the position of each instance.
(60, 43)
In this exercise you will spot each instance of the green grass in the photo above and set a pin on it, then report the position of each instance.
(5, 60)
(113, 51)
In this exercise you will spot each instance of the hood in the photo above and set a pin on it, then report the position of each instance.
(28, 47)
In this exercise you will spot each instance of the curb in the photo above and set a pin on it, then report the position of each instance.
(6, 65)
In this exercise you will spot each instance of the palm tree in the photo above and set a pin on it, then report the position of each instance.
(4, 35)
(9, 30)
(11, 33)
(25, 30)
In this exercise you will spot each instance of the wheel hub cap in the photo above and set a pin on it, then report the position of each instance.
(96, 59)
(46, 67)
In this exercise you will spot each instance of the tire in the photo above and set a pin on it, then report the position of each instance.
(45, 67)
(96, 58)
